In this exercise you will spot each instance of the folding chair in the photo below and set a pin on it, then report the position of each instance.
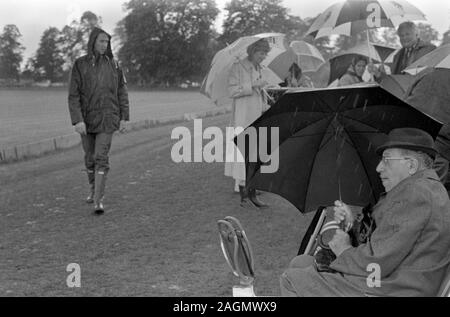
(444, 291)
(238, 254)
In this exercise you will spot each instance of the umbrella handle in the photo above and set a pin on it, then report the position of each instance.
(332, 225)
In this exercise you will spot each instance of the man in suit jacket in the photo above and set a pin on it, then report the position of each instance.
(412, 49)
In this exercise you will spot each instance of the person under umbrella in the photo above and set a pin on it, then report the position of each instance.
(408, 247)
(296, 78)
(245, 86)
(355, 72)
(412, 49)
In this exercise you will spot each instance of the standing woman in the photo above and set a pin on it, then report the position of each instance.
(245, 86)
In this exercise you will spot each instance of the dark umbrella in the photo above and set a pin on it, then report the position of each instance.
(397, 85)
(327, 142)
(428, 91)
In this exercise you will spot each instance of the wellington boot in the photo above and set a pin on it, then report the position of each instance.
(99, 192)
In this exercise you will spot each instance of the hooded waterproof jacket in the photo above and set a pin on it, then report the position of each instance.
(97, 91)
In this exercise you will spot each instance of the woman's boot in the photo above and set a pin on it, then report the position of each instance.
(245, 201)
(252, 196)
(91, 180)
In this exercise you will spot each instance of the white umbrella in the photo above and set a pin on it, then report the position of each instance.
(215, 84)
(308, 56)
(278, 62)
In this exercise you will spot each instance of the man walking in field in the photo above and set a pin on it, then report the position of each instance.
(98, 105)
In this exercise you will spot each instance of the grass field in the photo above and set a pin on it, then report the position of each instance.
(158, 237)
(30, 115)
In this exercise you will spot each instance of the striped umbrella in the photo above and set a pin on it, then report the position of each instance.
(353, 16)
(279, 60)
(308, 56)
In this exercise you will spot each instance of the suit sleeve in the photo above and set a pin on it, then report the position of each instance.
(74, 95)
(123, 97)
(394, 237)
(237, 87)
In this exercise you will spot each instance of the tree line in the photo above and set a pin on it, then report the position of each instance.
(167, 42)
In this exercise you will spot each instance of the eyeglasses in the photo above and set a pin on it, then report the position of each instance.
(386, 159)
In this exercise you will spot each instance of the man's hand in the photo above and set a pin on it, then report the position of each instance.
(342, 212)
(340, 242)
(375, 71)
(80, 128)
(122, 126)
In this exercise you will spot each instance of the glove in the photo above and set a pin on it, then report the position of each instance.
(122, 126)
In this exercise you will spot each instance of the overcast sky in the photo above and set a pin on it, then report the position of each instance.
(34, 16)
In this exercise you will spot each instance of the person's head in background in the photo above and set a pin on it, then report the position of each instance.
(295, 71)
(258, 51)
(359, 64)
(408, 34)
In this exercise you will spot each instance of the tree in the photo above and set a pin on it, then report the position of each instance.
(446, 38)
(249, 17)
(388, 36)
(29, 71)
(427, 33)
(49, 59)
(167, 41)
(11, 51)
(343, 43)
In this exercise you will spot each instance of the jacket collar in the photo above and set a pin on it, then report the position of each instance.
(419, 44)
(249, 65)
(427, 173)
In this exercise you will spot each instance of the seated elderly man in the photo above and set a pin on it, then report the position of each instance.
(410, 245)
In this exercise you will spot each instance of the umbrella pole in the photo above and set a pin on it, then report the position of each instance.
(370, 56)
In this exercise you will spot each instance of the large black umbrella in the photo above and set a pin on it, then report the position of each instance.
(327, 142)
